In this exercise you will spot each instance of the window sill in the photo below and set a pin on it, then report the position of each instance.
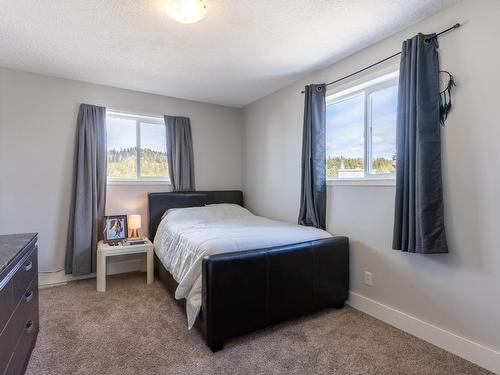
(362, 182)
(138, 182)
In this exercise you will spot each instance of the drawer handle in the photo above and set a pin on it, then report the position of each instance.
(28, 266)
(28, 296)
(29, 326)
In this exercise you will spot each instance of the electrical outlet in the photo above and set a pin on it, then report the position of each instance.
(368, 278)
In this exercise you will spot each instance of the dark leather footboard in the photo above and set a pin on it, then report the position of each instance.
(247, 290)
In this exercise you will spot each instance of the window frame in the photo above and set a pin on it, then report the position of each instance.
(139, 180)
(365, 88)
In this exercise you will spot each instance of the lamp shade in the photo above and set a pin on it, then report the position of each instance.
(134, 221)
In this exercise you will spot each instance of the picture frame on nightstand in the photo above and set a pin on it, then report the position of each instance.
(115, 228)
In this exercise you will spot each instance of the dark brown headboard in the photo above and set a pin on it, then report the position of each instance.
(160, 202)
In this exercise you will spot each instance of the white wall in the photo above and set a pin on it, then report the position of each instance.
(37, 134)
(457, 291)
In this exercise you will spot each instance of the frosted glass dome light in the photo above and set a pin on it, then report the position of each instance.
(186, 11)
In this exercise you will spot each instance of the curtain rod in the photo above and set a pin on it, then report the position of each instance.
(455, 26)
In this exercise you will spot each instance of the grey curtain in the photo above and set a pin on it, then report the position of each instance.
(180, 153)
(313, 188)
(418, 218)
(89, 190)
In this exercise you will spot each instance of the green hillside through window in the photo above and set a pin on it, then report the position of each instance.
(122, 163)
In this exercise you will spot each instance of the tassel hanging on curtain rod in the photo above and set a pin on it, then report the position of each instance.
(445, 98)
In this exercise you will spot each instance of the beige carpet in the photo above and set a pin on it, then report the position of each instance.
(134, 328)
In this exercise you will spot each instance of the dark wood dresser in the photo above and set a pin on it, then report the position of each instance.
(18, 301)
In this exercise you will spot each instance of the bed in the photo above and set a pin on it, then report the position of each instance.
(235, 272)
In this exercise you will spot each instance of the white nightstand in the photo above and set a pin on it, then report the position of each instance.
(104, 250)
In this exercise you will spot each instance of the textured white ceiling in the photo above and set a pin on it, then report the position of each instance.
(241, 51)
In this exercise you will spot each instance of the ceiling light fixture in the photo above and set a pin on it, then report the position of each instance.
(186, 11)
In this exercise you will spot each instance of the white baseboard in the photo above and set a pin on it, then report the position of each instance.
(449, 341)
(46, 280)
(56, 278)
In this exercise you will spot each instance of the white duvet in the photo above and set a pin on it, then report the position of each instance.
(186, 235)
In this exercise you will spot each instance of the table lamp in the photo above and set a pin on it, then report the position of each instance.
(134, 223)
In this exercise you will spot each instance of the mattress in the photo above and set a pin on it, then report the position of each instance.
(186, 235)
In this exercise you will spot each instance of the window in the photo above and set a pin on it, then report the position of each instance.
(136, 148)
(361, 130)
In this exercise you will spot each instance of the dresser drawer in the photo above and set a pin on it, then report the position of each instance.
(6, 302)
(26, 310)
(25, 274)
(6, 345)
(20, 358)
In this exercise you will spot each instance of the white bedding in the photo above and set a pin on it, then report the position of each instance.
(186, 235)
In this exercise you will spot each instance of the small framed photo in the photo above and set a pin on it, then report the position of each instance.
(115, 228)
